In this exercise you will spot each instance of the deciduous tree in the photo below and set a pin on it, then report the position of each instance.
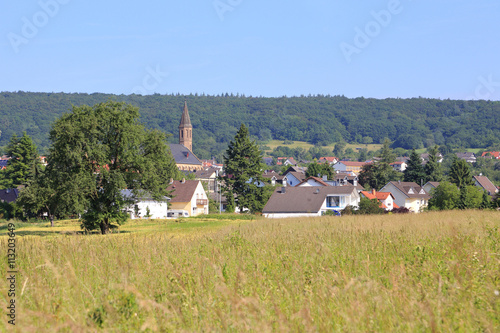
(98, 151)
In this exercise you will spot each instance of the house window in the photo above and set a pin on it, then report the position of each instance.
(335, 201)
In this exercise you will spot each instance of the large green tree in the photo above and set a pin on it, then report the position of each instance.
(319, 170)
(445, 197)
(380, 172)
(460, 173)
(24, 164)
(243, 178)
(414, 172)
(97, 151)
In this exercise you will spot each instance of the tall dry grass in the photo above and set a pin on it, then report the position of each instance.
(427, 272)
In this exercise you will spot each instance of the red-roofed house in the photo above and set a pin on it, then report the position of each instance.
(491, 154)
(386, 199)
(328, 159)
(399, 166)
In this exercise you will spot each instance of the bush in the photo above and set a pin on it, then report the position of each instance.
(401, 210)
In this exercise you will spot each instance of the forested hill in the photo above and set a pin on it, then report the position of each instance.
(416, 122)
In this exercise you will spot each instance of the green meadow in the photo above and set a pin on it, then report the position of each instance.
(296, 144)
(436, 272)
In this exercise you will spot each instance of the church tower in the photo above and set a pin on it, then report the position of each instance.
(186, 129)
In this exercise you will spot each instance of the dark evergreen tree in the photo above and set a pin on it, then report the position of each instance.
(24, 164)
(460, 173)
(243, 177)
(432, 168)
(414, 171)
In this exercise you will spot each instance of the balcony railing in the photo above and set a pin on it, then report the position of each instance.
(201, 202)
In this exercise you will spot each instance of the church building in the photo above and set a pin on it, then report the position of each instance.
(183, 152)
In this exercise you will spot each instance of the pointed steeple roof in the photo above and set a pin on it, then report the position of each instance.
(185, 120)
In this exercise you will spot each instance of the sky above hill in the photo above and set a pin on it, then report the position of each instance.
(392, 48)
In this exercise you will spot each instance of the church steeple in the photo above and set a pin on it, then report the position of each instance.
(186, 129)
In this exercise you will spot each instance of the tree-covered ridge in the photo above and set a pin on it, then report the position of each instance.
(410, 123)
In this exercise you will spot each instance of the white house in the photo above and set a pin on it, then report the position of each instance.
(386, 199)
(408, 194)
(145, 205)
(309, 201)
(188, 195)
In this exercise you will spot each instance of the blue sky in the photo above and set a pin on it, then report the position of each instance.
(393, 48)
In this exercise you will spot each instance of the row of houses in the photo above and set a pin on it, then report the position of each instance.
(315, 197)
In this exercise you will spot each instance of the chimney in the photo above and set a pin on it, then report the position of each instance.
(171, 181)
(325, 178)
(183, 180)
(283, 189)
(373, 191)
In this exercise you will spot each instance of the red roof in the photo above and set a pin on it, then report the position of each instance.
(379, 196)
(495, 154)
(328, 158)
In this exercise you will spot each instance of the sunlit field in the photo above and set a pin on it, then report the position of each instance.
(400, 273)
(275, 143)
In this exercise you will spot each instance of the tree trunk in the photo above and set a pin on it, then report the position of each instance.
(104, 227)
(51, 218)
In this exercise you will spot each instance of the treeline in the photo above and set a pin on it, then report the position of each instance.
(320, 120)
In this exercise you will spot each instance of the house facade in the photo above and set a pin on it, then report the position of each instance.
(408, 194)
(349, 166)
(386, 199)
(309, 201)
(146, 207)
(188, 195)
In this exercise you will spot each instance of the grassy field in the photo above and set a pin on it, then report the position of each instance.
(275, 143)
(401, 273)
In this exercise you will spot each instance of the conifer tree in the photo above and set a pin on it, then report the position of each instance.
(460, 173)
(432, 168)
(24, 163)
(414, 171)
(243, 177)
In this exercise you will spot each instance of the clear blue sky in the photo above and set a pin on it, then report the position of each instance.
(440, 49)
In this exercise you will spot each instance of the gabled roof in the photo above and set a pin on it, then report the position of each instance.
(183, 192)
(303, 199)
(9, 195)
(433, 184)
(183, 155)
(299, 175)
(485, 183)
(316, 179)
(410, 189)
(377, 195)
(205, 173)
